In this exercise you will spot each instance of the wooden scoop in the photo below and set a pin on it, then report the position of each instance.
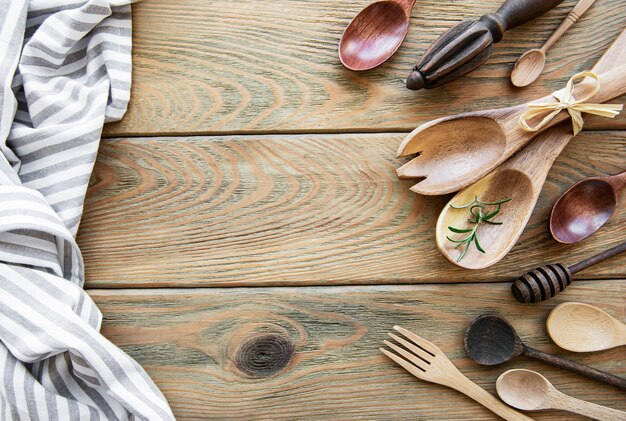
(375, 34)
(530, 65)
(521, 179)
(491, 340)
(530, 391)
(585, 207)
(582, 327)
(456, 151)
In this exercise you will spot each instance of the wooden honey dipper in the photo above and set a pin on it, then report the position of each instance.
(547, 281)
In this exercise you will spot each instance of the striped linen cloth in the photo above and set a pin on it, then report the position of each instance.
(65, 69)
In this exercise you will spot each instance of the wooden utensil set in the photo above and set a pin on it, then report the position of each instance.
(466, 153)
(491, 340)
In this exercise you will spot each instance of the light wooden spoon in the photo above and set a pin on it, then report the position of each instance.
(530, 65)
(582, 327)
(456, 151)
(530, 391)
(521, 179)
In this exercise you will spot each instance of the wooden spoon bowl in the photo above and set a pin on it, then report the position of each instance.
(582, 327)
(491, 340)
(375, 34)
(585, 207)
(523, 390)
(497, 240)
(528, 67)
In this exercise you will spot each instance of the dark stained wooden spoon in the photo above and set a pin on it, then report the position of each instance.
(585, 207)
(375, 34)
(491, 340)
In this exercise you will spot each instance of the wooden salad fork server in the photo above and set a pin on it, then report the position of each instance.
(427, 362)
(456, 151)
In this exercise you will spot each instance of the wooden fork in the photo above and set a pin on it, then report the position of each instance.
(427, 362)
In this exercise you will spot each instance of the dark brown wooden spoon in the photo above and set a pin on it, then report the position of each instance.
(491, 340)
(375, 34)
(585, 207)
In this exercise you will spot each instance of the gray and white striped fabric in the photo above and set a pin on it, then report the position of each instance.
(65, 69)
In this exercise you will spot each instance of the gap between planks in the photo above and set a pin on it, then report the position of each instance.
(142, 288)
(348, 131)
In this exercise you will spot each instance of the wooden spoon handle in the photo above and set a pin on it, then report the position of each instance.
(618, 182)
(486, 399)
(594, 260)
(581, 7)
(407, 5)
(513, 13)
(591, 410)
(577, 368)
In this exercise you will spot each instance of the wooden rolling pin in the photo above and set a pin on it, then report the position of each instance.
(547, 281)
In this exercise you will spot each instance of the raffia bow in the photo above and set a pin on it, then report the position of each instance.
(575, 107)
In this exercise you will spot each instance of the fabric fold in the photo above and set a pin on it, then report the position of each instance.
(65, 70)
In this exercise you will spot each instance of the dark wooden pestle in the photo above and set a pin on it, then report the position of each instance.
(491, 340)
(547, 281)
(467, 45)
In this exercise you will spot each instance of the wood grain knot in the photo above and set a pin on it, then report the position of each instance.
(264, 356)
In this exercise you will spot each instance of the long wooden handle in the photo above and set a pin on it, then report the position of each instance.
(486, 399)
(514, 13)
(591, 410)
(620, 248)
(581, 7)
(577, 368)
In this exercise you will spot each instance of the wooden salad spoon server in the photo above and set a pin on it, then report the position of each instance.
(375, 34)
(582, 327)
(549, 280)
(530, 65)
(456, 151)
(585, 207)
(427, 362)
(530, 391)
(520, 179)
(491, 340)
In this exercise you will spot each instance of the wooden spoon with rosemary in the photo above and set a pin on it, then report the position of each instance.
(520, 180)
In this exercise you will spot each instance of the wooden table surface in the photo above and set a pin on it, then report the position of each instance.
(249, 243)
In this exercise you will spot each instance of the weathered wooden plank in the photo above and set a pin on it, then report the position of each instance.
(312, 353)
(299, 210)
(211, 67)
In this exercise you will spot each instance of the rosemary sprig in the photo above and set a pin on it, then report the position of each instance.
(480, 213)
